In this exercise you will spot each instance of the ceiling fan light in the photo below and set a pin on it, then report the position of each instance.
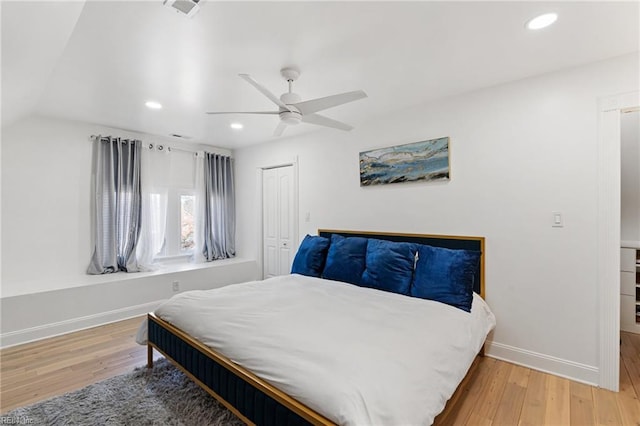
(290, 118)
(542, 21)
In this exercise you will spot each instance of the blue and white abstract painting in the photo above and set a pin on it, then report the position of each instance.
(419, 161)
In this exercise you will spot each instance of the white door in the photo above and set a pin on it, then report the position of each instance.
(278, 221)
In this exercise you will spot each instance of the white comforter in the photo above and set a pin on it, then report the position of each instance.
(356, 355)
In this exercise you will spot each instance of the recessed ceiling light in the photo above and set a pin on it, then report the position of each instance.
(153, 104)
(236, 126)
(542, 21)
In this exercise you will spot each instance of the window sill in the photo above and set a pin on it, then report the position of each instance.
(169, 266)
(86, 280)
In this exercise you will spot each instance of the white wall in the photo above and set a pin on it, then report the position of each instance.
(46, 234)
(518, 152)
(630, 177)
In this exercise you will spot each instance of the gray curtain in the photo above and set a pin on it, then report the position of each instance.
(219, 208)
(117, 205)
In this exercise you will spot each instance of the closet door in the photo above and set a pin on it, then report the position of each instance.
(278, 220)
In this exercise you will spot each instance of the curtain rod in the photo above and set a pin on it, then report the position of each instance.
(159, 147)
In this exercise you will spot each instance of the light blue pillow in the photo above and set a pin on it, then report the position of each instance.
(311, 256)
(346, 259)
(389, 266)
(445, 275)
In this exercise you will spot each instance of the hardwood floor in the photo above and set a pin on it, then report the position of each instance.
(506, 394)
(50, 367)
(498, 393)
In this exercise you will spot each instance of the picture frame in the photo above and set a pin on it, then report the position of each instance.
(426, 160)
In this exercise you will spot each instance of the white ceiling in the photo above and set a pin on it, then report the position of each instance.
(99, 61)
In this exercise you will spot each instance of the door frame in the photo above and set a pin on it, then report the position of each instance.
(259, 202)
(608, 241)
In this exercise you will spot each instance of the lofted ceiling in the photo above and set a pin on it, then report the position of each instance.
(99, 61)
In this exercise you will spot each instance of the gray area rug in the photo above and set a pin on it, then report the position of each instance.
(159, 396)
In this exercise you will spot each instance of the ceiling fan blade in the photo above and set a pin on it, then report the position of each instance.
(264, 91)
(321, 120)
(315, 105)
(280, 129)
(246, 112)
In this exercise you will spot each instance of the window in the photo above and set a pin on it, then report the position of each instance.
(179, 231)
(180, 208)
(187, 202)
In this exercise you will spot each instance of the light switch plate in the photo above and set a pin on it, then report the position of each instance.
(557, 220)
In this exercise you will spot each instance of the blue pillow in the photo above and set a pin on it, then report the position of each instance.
(311, 256)
(446, 275)
(389, 266)
(346, 259)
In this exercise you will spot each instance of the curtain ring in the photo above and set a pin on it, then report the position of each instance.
(160, 147)
(150, 146)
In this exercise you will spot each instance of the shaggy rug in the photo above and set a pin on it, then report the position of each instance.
(159, 396)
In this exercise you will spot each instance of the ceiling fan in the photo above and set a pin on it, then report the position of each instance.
(292, 111)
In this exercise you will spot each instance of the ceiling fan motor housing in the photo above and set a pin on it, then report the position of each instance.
(290, 98)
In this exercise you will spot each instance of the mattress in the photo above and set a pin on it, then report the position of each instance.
(358, 356)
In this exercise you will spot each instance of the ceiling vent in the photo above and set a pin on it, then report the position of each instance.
(184, 7)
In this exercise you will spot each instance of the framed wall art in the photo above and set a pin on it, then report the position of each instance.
(419, 161)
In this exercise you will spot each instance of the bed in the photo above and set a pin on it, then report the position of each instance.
(299, 349)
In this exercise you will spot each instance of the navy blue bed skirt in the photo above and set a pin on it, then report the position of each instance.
(259, 408)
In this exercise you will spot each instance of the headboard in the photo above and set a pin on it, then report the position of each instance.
(445, 241)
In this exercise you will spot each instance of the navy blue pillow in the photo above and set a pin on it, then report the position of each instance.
(346, 259)
(389, 266)
(446, 275)
(311, 256)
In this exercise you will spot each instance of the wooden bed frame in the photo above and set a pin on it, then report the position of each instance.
(249, 397)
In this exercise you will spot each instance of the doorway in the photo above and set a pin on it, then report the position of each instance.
(608, 235)
(279, 224)
(630, 246)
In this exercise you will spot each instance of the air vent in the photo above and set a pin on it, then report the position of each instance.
(184, 7)
(175, 135)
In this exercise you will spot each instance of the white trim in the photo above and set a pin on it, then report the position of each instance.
(296, 206)
(608, 242)
(27, 335)
(259, 224)
(548, 364)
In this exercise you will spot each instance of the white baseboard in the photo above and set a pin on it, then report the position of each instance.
(27, 335)
(583, 373)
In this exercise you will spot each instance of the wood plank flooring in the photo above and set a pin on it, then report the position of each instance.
(50, 367)
(498, 393)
